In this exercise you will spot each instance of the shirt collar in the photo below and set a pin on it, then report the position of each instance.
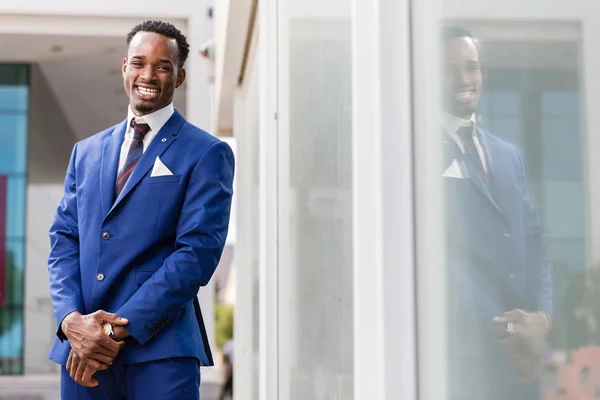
(155, 120)
(453, 123)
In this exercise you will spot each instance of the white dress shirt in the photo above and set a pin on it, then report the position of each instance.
(155, 120)
(452, 124)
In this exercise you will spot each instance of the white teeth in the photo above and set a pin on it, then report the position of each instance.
(144, 90)
(463, 95)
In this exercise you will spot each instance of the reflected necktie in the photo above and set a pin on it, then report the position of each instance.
(471, 153)
(136, 149)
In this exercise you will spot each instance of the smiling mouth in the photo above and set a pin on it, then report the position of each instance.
(148, 93)
(464, 95)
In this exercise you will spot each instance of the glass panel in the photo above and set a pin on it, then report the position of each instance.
(11, 313)
(315, 268)
(13, 169)
(15, 221)
(522, 302)
(13, 142)
(13, 99)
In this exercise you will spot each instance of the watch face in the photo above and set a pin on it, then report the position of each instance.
(108, 329)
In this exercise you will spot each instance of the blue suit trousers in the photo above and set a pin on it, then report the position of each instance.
(174, 378)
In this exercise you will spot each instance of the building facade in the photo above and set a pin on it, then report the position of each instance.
(335, 107)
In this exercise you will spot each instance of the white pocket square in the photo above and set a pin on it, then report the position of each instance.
(454, 171)
(160, 169)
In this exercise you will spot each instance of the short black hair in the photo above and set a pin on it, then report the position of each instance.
(450, 32)
(165, 29)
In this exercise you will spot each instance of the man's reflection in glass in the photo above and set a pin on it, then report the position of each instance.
(498, 273)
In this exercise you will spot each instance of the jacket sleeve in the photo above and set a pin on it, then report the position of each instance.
(63, 261)
(200, 238)
(537, 252)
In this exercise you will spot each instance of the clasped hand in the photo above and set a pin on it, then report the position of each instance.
(523, 340)
(91, 349)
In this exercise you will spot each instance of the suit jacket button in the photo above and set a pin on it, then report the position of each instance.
(512, 276)
(105, 235)
(100, 277)
(150, 332)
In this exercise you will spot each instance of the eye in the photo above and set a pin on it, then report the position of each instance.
(136, 63)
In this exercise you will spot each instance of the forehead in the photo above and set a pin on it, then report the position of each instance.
(151, 43)
(461, 49)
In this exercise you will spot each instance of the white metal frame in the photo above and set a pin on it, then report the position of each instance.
(287, 295)
(268, 144)
(246, 251)
(385, 320)
(429, 218)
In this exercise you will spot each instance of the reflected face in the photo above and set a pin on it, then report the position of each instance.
(463, 80)
(151, 72)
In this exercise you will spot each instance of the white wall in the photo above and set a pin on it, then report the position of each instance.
(51, 137)
(165, 9)
(49, 147)
(39, 317)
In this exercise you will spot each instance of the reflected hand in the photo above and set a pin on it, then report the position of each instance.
(523, 337)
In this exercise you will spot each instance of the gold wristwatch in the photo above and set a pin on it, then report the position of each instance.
(110, 331)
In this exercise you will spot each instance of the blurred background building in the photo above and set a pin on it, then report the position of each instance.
(332, 264)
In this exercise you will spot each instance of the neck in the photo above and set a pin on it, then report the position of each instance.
(139, 113)
(460, 116)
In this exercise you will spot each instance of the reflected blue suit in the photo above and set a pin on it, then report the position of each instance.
(496, 263)
(155, 245)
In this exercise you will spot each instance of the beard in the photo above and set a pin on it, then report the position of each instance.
(143, 109)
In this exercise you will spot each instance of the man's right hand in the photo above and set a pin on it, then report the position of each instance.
(88, 340)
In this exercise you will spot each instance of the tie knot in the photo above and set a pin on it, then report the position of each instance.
(139, 130)
(466, 131)
(466, 135)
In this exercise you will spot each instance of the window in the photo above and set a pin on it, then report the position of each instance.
(14, 81)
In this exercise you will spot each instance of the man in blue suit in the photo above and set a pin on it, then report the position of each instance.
(140, 229)
(499, 276)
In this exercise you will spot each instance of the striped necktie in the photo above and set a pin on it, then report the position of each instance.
(136, 149)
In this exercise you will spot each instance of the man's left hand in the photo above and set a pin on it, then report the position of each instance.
(523, 334)
(81, 372)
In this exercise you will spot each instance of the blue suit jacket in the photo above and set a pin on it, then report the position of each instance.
(497, 261)
(155, 245)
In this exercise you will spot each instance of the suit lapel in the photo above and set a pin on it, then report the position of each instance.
(476, 180)
(496, 170)
(469, 169)
(110, 162)
(164, 138)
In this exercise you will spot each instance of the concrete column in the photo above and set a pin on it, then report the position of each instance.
(198, 112)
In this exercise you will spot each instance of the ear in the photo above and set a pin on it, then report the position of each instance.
(180, 77)
(124, 67)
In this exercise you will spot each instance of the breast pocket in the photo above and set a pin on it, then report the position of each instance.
(162, 179)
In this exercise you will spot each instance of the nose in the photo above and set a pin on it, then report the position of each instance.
(148, 74)
(460, 75)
